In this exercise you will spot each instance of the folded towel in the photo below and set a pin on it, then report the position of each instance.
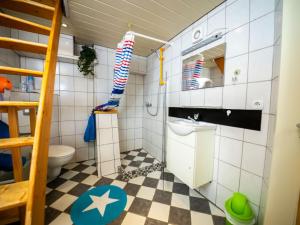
(90, 131)
(4, 131)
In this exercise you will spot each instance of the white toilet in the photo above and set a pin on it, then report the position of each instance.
(58, 156)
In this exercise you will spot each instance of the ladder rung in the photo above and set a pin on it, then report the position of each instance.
(46, 2)
(30, 7)
(17, 23)
(20, 71)
(13, 195)
(16, 142)
(20, 45)
(18, 105)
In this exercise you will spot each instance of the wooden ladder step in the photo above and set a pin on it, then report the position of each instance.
(20, 45)
(16, 142)
(46, 2)
(29, 7)
(13, 195)
(18, 105)
(17, 23)
(20, 71)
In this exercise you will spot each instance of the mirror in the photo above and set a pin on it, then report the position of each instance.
(204, 69)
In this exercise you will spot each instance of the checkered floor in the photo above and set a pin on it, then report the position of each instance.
(157, 199)
(136, 159)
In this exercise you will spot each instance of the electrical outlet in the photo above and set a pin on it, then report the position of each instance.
(235, 75)
(237, 72)
(258, 104)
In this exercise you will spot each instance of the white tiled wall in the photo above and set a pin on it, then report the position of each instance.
(241, 155)
(275, 71)
(70, 107)
(9, 57)
(78, 95)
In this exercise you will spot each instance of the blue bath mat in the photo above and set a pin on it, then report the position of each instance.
(100, 205)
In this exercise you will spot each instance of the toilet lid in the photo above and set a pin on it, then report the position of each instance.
(60, 150)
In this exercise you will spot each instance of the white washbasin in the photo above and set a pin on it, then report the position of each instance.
(185, 127)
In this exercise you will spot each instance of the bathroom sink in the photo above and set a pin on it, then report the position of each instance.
(186, 127)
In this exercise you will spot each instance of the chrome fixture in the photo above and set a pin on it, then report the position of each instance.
(228, 112)
(195, 117)
(148, 104)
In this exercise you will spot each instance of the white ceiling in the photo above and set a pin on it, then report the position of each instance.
(104, 22)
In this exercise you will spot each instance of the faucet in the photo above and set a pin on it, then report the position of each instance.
(196, 115)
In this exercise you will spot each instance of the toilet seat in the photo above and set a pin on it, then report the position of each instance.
(60, 151)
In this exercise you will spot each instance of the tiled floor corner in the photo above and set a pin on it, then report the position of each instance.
(135, 159)
(155, 199)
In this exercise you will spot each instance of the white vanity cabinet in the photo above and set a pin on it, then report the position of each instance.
(190, 157)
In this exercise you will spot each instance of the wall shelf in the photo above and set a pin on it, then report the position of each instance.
(60, 58)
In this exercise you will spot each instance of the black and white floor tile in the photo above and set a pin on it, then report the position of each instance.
(137, 163)
(136, 159)
(155, 199)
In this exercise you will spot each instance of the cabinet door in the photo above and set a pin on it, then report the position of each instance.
(204, 157)
(180, 161)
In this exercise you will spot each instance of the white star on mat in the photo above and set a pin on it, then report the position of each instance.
(100, 203)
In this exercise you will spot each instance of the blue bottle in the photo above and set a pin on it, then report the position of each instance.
(30, 83)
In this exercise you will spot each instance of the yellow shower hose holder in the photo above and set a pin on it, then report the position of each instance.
(161, 62)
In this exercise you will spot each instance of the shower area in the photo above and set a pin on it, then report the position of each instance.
(136, 157)
(141, 117)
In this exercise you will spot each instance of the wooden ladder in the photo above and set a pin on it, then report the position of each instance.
(25, 200)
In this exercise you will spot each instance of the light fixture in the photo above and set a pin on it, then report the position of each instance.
(64, 25)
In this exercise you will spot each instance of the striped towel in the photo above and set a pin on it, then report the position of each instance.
(197, 72)
(121, 71)
(192, 73)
